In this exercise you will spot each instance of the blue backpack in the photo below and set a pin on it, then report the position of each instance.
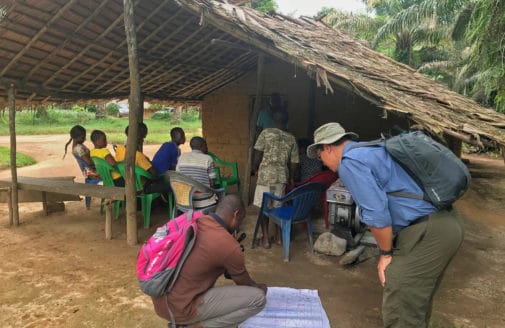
(442, 176)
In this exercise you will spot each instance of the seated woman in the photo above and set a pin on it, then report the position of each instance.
(81, 155)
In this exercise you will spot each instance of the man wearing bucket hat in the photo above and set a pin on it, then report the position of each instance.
(415, 242)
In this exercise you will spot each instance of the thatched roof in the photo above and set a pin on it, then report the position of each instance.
(56, 50)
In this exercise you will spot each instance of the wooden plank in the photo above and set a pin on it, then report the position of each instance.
(32, 196)
(29, 196)
(67, 187)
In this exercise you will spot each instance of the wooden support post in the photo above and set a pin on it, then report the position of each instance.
(253, 117)
(312, 108)
(133, 118)
(454, 144)
(9, 204)
(13, 208)
(45, 209)
(109, 209)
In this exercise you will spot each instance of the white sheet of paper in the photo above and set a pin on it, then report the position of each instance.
(290, 308)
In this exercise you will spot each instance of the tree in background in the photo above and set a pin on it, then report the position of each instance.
(264, 5)
(458, 42)
(482, 74)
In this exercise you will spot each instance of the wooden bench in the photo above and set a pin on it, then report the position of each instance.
(57, 188)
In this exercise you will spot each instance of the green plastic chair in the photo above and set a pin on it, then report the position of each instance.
(104, 170)
(146, 199)
(225, 181)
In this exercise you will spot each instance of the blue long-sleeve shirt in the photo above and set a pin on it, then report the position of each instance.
(370, 173)
(166, 157)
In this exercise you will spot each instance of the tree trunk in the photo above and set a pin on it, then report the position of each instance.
(133, 119)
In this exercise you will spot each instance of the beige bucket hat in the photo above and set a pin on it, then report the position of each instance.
(327, 134)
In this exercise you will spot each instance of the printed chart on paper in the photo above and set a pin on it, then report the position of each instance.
(290, 308)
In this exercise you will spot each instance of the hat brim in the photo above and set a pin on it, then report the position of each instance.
(312, 149)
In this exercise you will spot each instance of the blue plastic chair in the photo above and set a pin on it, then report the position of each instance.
(88, 180)
(295, 208)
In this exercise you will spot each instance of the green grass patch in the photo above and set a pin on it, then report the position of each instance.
(58, 121)
(21, 159)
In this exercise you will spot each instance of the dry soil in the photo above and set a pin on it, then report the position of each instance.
(59, 271)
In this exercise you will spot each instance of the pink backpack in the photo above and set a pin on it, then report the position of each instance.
(161, 257)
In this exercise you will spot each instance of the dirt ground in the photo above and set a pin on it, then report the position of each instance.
(59, 271)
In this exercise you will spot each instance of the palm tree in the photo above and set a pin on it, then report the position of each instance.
(418, 27)
(485, 34)
(458, 42)
(476, 65)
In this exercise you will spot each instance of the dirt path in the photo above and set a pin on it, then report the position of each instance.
(58, 271)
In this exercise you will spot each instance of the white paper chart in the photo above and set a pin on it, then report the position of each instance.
(290, 308)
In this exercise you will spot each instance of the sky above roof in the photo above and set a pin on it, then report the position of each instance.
(311, 7)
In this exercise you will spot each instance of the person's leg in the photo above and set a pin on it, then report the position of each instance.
(278, 190)
(424, 251)
(258, 200)
(228, 306)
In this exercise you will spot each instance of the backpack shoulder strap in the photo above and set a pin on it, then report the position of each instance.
(407, 195)
(377, 142)
(382, 142)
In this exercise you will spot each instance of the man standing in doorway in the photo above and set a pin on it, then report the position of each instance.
(275, 161)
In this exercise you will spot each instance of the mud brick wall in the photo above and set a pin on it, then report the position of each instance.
(225, 112)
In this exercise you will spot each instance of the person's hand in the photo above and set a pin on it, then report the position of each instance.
(384, 261)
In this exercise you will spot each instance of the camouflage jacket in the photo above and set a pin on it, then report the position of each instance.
(279, 150)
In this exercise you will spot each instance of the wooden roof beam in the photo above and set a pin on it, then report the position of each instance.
(180, 28)
(155, 73)
(112, 52)
(68, 38)
(217, 74)
(36, 37)
(61, 95)
(202, 50)
(110, 28)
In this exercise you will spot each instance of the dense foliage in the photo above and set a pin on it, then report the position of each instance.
(458, 42)
(59, 121)
(264, 5)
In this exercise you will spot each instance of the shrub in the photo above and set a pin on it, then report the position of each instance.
(162, 115)
(78, 108)
(90, 108)
(155, 107)
(190, 115)
(112, 109)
